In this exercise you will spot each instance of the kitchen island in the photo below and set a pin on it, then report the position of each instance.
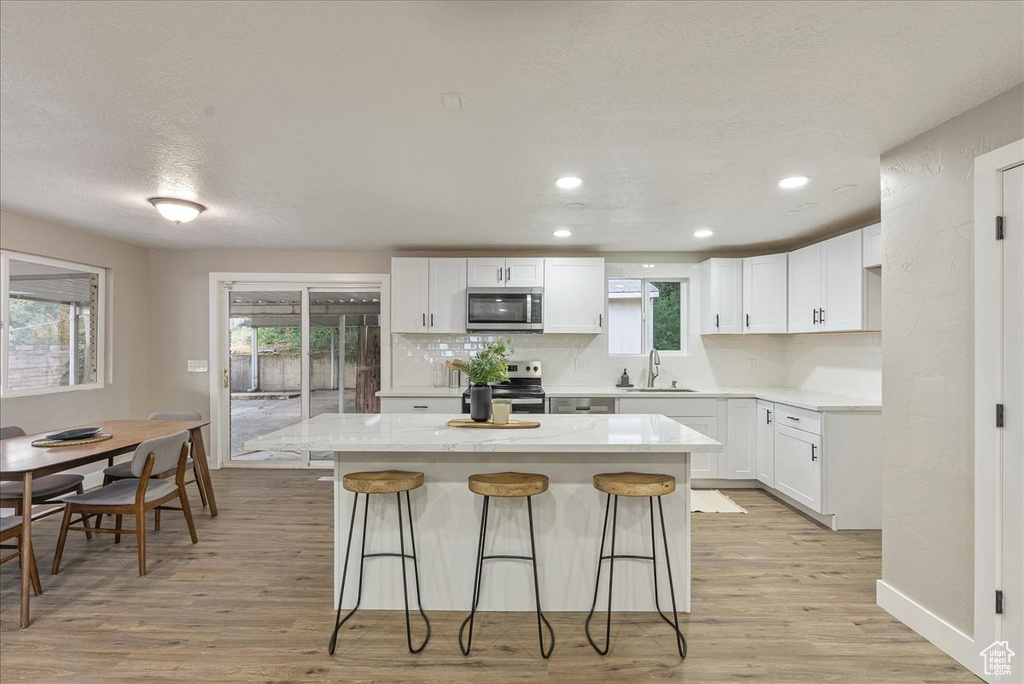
(570, 450)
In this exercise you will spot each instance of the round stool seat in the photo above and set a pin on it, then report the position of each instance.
(634, 484)
(508, 484)
(382, 481)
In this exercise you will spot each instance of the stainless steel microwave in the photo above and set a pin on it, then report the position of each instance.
(505, 309)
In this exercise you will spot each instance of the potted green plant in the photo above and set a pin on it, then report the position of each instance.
(488, 366)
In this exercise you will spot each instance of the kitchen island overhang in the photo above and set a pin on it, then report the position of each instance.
(570, 450)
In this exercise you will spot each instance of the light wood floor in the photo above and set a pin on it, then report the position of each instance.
(776, 598)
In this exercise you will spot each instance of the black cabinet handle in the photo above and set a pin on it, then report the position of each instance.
(508, 274)
(424, 320)
(600, 320)
(793, 418)
(814, 456)
(431, 320)
(582, 408)
(716, 322)
(821, 315)
(768, 419)
(748, 320)
(420, 407)
(499, 274)
(815, 317)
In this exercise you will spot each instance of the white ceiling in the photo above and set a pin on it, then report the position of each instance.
(320, 125)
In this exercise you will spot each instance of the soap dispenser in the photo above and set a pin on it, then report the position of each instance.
(624, 380)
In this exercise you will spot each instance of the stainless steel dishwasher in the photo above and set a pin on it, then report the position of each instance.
(602, 405)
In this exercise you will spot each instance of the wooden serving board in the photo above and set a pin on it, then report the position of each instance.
(511, 425)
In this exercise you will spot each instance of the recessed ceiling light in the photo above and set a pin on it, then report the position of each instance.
(177, 210)
(794, 182)
(562, 233)
(568, 182)
(703, 233)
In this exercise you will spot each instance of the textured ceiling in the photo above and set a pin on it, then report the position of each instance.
(320, 125)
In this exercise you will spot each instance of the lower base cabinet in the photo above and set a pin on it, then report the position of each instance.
(702, 465)
(797, 467)
(764, 443)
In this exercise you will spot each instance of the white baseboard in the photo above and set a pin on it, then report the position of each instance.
(940, 633)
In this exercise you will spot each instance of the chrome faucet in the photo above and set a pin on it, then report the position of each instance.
(653, 361)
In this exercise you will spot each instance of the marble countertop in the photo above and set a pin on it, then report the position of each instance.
(640, 433)
(812, 401)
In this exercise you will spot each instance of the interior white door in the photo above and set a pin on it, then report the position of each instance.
(741, 440)
(1012, 476)
(703, 465)
(765, 294)
(804, 289)
(842, 301)
(410, 285)
(574, 295)
(485, 272)
(765, 442)
(798, 465)
(447, 312)
(524, 272)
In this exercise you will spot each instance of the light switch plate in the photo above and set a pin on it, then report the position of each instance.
(200, 366)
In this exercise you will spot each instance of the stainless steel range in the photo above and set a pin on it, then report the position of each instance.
(523, 389)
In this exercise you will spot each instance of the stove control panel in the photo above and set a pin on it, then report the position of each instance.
(524, 369)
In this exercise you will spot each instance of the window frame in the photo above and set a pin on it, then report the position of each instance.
(646, 311)
(5, 314)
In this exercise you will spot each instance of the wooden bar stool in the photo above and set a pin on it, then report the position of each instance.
(652, 487)
(507, 485)
(382, 482)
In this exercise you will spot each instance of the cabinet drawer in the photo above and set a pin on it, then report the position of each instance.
(452, 405)
(801, 419)
(670, 406)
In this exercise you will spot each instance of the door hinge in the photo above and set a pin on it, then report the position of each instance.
(1000, 234)
(999, 415)
(999, 601)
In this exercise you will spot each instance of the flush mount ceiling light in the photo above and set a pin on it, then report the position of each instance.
(793, 182)
(177, 210)
(568, 182)
(562, 233)
(703, 233)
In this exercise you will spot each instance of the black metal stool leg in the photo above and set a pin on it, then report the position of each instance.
(468, 644)
(536, 589)
(415, 566)
(338, 620)
(674, 623)
(611, 575)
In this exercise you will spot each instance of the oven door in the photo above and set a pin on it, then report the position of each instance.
(508, 309)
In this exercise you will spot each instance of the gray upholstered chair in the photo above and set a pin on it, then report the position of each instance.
(10, 528)
(135, 496)
(123, 471)
(43, 489)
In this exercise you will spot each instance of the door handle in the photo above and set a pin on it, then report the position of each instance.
(226, 379)
(815, 317)
(814, 455)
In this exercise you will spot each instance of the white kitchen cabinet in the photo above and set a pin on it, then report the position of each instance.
(574, 295)
(501, 272)
(872, 238)
(439, 405)
(741, 440)
(703, 465)
(828, 287)
(721, 297)
(410, 302)
(765, 442)
(699, 413)
(447, 296)
(765, 294)
(798, 461)
(428, 295)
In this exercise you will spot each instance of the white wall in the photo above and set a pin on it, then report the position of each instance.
(928, 355)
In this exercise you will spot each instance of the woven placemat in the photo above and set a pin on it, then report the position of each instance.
(70, 442)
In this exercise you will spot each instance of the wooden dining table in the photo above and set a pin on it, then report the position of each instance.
(19, 460)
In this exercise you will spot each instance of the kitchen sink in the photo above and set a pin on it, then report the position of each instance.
(660, 389)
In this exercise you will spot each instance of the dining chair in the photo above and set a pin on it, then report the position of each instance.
(10, 528)
(43, 490)
(136, 496)
(123, 471)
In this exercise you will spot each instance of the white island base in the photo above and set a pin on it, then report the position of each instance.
(570, 450)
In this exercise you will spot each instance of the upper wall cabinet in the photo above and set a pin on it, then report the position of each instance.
(829, 289)
(872, 245)
(574, 295)
(765, 294)
(721, 297)
(428, 295)
(501, 272)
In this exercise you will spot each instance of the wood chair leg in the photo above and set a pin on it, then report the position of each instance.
(99, 520)
(37, 586)
(199, 484)
(88, 535)
(107, 480)
(17, 508)
(117, 524)
(187, 511)
(85, 524)
(156, 520)
(65, 523)
(140, 535)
